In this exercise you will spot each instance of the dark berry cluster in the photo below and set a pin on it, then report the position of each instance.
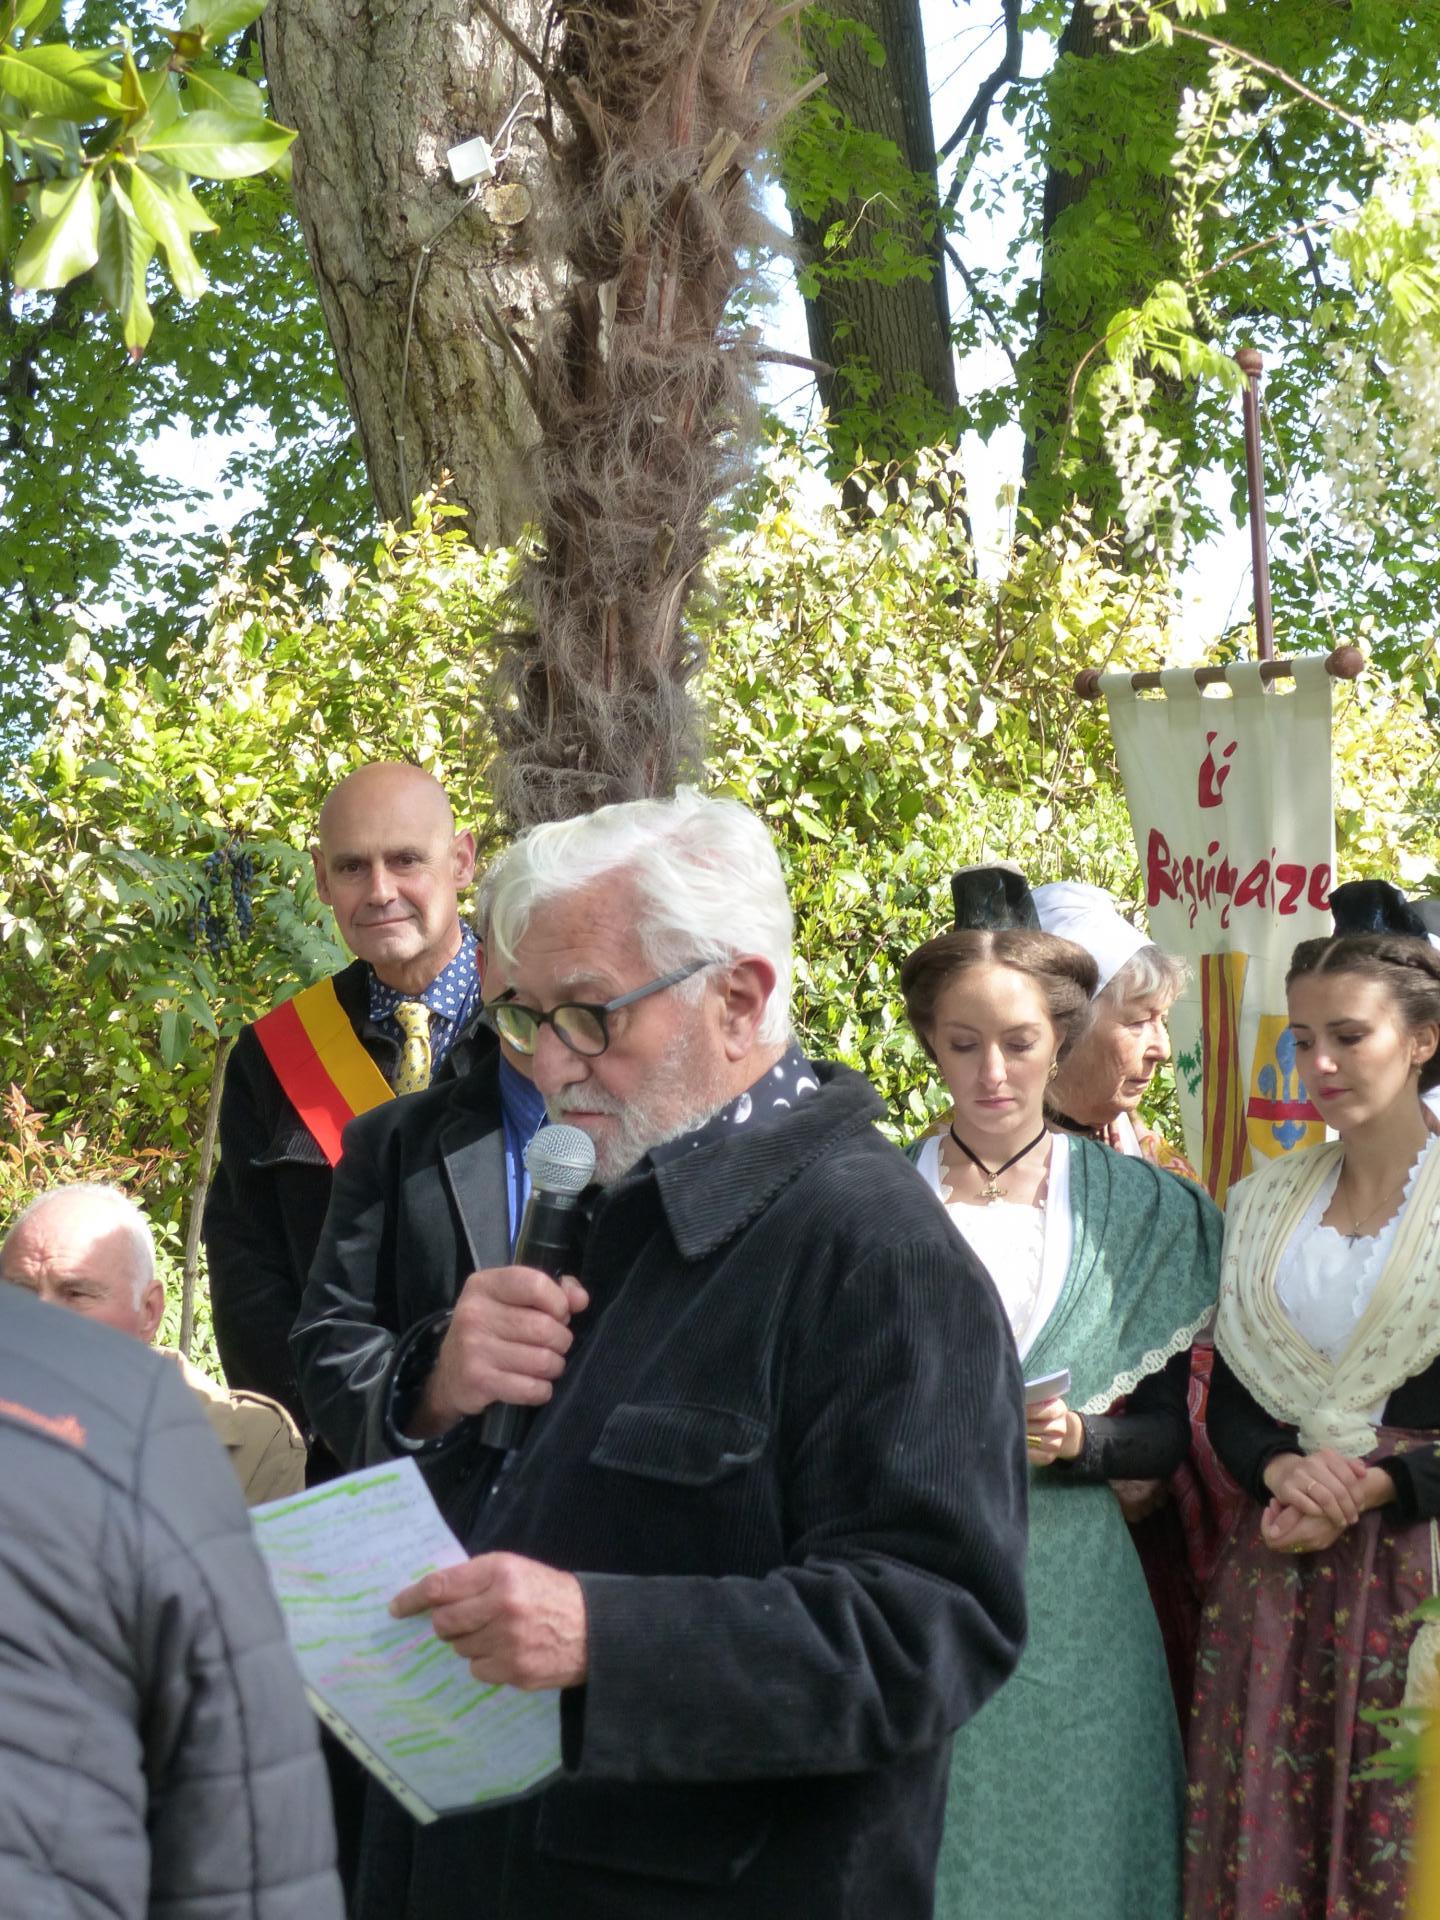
(229, 870)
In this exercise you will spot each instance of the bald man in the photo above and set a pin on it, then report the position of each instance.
(89, 1249)
(391, 865)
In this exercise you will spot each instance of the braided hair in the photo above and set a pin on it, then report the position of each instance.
(1408, 968)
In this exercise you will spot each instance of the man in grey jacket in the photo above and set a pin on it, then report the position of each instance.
(156, 1752)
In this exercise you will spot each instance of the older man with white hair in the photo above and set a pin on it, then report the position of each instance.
(765, 1531)
(90, 1249)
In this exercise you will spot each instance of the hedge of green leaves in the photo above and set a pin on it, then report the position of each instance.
(891, 716)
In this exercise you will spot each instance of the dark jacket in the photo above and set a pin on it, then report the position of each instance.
(419, 1202)
(786, 1460)
(267, 1204)
(157, 1756)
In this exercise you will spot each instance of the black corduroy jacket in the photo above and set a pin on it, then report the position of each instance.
(786, 1461)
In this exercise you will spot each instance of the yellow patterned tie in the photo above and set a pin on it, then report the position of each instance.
(413, 1018)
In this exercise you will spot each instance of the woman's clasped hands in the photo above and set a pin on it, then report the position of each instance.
(1316, 1496)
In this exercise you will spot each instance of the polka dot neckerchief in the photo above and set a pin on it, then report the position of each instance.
(783, 1087)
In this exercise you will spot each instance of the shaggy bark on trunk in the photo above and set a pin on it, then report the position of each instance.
(895, 337)
(570, 360)
(642, 390)
(379, 91)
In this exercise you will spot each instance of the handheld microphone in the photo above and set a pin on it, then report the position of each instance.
(560, 1161)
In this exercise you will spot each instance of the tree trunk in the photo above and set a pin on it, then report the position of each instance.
(644, 393)
(1074, 306)
(602, 351)
(379, 91)
(894, 384)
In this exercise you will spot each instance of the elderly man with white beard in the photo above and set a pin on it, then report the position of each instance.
(766, 1527)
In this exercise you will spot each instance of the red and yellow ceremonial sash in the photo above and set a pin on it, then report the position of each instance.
(325, 1072)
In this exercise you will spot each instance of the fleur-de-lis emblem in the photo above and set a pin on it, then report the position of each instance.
(1281, 1082)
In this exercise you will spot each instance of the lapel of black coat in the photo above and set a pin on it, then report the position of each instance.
(472, 1155)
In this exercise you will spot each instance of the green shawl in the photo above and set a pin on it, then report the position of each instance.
(1144, 1271)
(1088, 1718)
(1141, 1284)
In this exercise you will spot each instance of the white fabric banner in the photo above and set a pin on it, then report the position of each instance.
(1230, 799)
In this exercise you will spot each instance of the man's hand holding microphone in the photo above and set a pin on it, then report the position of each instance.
(506, 1342)
(518, 1623)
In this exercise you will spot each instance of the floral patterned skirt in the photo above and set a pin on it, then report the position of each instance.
(1293, 1648)
(1179, 1545)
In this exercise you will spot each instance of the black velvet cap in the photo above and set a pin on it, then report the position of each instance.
(1374, 906)
(988, 898)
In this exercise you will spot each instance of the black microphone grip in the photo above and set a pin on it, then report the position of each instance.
(546, 1241)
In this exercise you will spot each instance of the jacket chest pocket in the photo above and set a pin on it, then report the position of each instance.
(291, 1145)
(679, 1443)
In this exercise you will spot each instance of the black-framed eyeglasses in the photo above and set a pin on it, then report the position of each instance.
(581, 1025)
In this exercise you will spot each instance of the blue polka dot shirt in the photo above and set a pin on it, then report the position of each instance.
(453, 998)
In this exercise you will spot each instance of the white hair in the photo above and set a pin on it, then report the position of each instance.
(1151, 975)
(706, 872)
(105, 1205)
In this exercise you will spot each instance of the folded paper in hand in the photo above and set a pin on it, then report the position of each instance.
(401, 1699)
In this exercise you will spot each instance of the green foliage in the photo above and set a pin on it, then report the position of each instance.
(1409, 1731)
(94, 523)
(100, 147)
(1098, 206)
(154, 865)
(893, 720)
(1275, 216)
(890, 715)
(1262, 190)
(34, 1159)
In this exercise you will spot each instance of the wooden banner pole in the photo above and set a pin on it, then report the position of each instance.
(1345, 663)
(1250, 363)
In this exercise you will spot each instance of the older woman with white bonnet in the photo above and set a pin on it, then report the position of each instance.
(1108, 1072)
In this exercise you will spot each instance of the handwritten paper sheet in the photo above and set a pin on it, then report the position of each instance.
(400, 1698)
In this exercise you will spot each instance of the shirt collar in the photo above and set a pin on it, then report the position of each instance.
(522, 1101)
(447, 994)
(710, 1195)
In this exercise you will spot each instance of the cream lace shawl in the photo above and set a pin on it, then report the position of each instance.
(1396, 1337)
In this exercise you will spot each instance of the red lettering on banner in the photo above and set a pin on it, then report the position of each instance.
(1210, 879)
(1213, 778)
(1292, 879)
(1254, 887)
(1162, 876)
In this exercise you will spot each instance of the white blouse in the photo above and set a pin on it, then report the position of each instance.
(1025, 1250)
(1325, 1280)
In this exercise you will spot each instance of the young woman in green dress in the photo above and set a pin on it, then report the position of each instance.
(1067, 1789)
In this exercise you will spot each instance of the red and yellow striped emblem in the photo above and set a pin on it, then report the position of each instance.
(1225, 1141)
(327, 1075)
